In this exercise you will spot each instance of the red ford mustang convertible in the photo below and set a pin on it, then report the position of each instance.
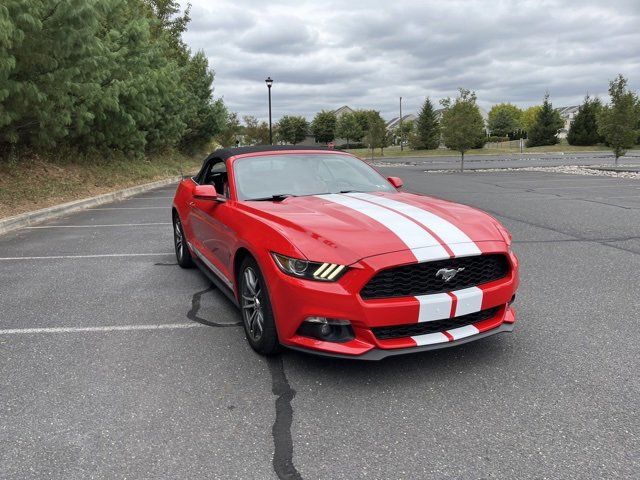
(323, 254)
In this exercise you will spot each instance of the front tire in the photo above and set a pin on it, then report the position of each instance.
(183, 255)
(257, 314)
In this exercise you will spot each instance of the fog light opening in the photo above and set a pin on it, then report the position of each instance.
(327, 329)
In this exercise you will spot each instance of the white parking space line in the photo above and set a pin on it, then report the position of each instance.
(103, 255)
(129, 208)
(96, 226)
(589, 186)
(112, 328)
(147, 198)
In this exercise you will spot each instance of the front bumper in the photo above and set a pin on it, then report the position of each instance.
(378, 354)
(293, 300)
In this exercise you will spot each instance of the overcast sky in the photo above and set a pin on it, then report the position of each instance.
(367, 53)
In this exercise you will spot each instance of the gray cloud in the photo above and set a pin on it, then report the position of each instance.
(367, 53)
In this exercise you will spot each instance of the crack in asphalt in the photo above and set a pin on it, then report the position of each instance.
(281, 431)
(192, 314)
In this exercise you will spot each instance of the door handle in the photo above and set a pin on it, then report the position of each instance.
(192, 204)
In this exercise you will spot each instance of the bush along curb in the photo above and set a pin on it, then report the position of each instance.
(30, 218)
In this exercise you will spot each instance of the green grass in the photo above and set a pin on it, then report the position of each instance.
(407, 152)
(35, 182)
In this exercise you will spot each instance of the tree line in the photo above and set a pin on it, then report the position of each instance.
(104, 76)
(358, 128)
(459, 124)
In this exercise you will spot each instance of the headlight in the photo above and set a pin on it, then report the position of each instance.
(324, 272)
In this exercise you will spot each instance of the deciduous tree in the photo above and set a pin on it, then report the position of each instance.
(376, 132)
(406, 132)
(618, 121)
(462, 123)
(504, 118)
(324, 127)
(230, 132)
(255, 132)
(529, 117)
(292, 129)
(348, 127)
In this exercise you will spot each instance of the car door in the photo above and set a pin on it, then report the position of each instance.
(209, 222)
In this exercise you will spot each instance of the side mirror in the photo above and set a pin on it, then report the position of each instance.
(205, 192)
(396, 181)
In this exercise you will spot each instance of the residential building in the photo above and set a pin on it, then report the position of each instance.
(568, 114)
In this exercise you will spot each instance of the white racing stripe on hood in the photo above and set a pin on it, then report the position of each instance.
(458, 241)
(413, 236)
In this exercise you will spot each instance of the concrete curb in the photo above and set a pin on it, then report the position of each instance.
(29, 218)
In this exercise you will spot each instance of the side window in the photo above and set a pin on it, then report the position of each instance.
(216, 175)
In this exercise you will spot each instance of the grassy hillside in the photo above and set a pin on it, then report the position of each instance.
(35, 182)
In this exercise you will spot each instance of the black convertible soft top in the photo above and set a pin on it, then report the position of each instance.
(225, 153)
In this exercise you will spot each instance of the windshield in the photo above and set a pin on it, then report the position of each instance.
(304, 174)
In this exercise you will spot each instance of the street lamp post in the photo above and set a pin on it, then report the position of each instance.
(269, 82)
(401, 131)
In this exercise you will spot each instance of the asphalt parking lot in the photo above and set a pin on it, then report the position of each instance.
(116, 363)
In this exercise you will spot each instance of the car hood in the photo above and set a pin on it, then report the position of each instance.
(346, 228)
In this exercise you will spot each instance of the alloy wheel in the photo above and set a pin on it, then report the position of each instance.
(252, 309)
(178, 238)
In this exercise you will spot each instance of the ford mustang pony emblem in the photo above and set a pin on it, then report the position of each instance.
(448, 273)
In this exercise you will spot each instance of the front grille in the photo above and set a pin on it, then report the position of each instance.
(420, 278)
(413, 329)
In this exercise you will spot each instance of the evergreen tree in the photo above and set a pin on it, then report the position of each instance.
(584, 128)
(427, 128)
(618, 121)
(102, 75)
(546, 126)
(48, 51)
(324, 127)
(462, 124)
(347, 127)
(203, 117)
(292, 129)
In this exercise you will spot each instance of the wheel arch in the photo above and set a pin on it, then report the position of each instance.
(241, 253)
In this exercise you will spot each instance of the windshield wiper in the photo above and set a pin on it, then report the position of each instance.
(351, 191)
(274, 198)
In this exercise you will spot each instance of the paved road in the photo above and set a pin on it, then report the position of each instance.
(95, 389)
(511, 160)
